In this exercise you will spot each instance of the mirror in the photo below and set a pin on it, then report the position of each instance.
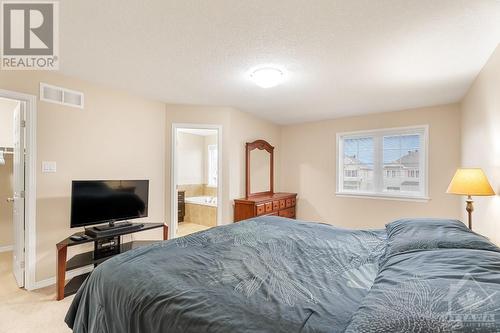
(259, 168)
(260, 164)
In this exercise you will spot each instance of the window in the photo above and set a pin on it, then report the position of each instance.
(350, 173)
(212, 165)
(383, 163)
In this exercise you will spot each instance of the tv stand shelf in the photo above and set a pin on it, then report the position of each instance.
(87, 258)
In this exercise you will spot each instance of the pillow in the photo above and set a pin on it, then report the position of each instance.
(425, 234)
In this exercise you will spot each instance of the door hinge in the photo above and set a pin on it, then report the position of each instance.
(22, 194)
(22, 264)
(23, 123)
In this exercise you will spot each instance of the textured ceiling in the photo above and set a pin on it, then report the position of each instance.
(342, 57)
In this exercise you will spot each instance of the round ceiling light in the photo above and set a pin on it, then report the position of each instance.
(267, 77)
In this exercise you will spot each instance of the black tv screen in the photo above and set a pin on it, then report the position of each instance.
(100, 201)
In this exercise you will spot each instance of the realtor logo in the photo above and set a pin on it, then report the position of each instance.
(30, 35)
(471, 307)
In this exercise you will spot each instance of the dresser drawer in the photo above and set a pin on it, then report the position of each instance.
(290, 212)
(261, 209)
(277, 204)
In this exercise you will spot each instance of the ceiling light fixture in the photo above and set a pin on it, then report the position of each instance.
(267, 77)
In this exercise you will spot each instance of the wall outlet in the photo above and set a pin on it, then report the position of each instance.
(49, 166)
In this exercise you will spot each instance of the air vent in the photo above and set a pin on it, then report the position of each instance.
(63, 96)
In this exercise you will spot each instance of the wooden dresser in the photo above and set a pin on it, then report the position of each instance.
(276, 204)
(260, 198)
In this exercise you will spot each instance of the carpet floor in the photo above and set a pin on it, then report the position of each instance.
(24, 311)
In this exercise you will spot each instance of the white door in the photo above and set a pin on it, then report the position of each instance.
(18, 252)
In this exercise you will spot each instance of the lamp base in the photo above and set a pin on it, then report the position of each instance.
(469, 208)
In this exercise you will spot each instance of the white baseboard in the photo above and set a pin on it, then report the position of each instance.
(6, 248)
(70, 274)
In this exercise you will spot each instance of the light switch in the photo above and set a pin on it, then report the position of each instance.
(49, 166)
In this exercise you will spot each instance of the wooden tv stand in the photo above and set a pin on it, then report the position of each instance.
(87, 258)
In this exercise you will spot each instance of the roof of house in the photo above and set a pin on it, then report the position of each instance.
(353, 160)
(410, 159)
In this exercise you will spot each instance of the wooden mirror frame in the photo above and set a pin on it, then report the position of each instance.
(261, 145)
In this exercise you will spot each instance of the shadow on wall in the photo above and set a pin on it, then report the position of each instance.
(312, 214)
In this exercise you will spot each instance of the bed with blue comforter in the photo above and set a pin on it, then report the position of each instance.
(273, 274)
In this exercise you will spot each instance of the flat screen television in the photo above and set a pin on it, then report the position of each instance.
(107, 201)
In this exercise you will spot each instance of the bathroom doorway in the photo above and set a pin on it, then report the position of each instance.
(196, 178)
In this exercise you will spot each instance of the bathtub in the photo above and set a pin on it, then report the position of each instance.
(201, 210)
(202, 200)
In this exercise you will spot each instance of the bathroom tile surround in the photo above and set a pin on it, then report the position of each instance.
(202, 215)
(198, 190)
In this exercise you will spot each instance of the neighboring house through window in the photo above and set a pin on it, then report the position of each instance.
(388, 163)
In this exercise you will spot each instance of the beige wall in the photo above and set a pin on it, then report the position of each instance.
(238, 128)
(7, 122)
(193, 157)
(116, 136)
(481, 143)
(190, 164)
(6, 212)
(308, 166)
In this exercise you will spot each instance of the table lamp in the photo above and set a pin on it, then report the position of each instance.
(470, 182)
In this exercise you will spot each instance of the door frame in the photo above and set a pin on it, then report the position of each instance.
(29, 185)
(173, 174)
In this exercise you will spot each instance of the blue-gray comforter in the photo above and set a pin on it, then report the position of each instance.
(278, 275)
(436, 276)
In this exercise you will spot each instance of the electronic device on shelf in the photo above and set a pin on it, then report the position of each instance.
(109, 231)
(113, 225)
(106, 247)
(108, 201)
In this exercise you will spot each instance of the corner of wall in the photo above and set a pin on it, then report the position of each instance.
(480, 141)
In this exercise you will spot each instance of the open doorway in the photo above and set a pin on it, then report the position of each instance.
(12, 172)
(196, 178)
(17, 188)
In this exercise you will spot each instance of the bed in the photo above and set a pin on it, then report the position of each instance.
(272, 274)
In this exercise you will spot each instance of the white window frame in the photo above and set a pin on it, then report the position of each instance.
(377, 135)
(211, 148)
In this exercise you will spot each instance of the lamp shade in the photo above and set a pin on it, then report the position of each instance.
(470, 182)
